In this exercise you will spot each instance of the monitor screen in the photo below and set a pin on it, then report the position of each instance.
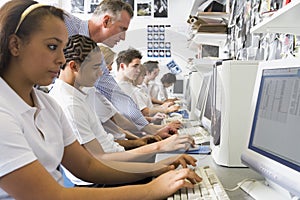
(187, 95)
(202, 95)
(178, 87)
(273, 145)
(207, 110)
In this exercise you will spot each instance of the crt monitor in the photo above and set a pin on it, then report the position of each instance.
(206, 115)
(202, 95)
(187, 95)
(178, 88)
(273, 148)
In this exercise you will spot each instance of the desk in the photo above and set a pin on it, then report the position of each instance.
(229, 177)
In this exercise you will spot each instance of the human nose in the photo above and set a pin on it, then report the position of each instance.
(61, 58)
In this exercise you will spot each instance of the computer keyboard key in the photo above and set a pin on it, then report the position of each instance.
(210, 188)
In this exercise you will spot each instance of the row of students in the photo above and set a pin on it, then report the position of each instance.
(36, 136)
(74, 92)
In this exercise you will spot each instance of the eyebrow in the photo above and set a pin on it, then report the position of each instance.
(54, 38)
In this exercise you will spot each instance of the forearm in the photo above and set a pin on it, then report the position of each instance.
(123, 122)
(156, 101)
(130, 144)
(152, 128)
(134, 192)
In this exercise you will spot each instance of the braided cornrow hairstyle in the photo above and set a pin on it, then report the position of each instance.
(78, 48)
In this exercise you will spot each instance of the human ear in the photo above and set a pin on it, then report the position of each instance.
(106, 20)
(74, 66)
(14, 45)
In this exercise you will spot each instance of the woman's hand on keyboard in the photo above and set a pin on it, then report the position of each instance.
(176, 142)
(184, 160)
(168, 183)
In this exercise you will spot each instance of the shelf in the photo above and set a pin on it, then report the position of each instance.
(285, 20)
(216, 39)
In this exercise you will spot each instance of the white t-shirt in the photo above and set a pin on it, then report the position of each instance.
(158, 91)
(31, 133)
(135, 93)
(83, 118)
(105, 111)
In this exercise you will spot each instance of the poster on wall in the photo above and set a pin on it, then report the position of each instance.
(157, 45)
(77, 6)
(144, 8)
(160, 8)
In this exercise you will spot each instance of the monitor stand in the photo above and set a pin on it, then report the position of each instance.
(265, 190)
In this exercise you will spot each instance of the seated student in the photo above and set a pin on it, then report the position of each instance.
(163, 108)
(152, 71)
(35, 135)
(129, 70)
(82, 69)
(159, 90)
(110, 118)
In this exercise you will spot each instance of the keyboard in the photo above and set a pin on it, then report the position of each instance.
(210, 188)
(171, 119)
(198, 133)
(189, 123)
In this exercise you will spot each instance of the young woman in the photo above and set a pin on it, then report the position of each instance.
(35, 136)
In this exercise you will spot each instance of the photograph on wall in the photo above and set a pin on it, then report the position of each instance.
(93, 5)
(77, 6)
(144, 8)
(160, 8)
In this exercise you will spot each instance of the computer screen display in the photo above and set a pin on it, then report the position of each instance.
(273, 148)
(207, 110)
(178, 87)
(187, 95)
(202, 95)
(277, 117)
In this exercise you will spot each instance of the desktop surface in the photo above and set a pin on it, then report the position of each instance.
(229, 177)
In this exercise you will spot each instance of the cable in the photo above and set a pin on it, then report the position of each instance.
(239, 184)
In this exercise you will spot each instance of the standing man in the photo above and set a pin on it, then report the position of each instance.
(108, 25)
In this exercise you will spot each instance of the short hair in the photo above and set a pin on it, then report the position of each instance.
(151, 65)
(127, 56)
(78, 48)
(168, 78)
(108, 54)
(113, 7)
(10, 15)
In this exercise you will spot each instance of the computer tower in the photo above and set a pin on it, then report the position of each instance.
(233, 84)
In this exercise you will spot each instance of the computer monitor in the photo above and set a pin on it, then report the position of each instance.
(187, 95)
(206, 115)
(232, 89)
(178, 88)
(200, 68)
(273, 148)
(200, 105)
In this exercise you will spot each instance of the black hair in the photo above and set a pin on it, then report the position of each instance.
(10, 15)
(78, 48)
(168, 78)
(127, 56)
(151, 65)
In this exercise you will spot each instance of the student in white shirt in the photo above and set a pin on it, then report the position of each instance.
(129, 69)
(112, 120)
(82, 69)
(35, 136)
(152, 71)
(159, 90)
